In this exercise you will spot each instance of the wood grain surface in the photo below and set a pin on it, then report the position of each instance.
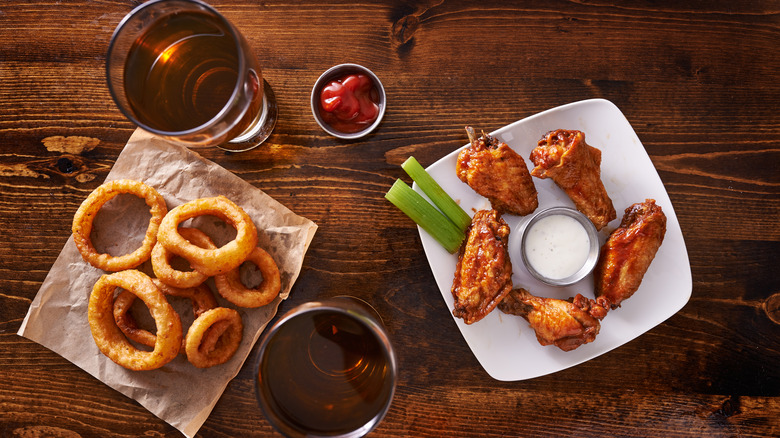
(699, 81)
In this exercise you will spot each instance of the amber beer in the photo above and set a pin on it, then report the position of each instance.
(182, 71)
(179, 69)
(325, 371)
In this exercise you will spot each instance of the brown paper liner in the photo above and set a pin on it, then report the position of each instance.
(178, 393)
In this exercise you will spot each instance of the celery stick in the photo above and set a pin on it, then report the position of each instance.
(425, 215)
(437, 195)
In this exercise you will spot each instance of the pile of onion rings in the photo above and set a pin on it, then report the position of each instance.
(216, 331)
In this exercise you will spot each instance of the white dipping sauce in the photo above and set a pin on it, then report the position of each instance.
(557, 246)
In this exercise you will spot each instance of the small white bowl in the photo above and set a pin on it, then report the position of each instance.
(593, 248)
(334, 73)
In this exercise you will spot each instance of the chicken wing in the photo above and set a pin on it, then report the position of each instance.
(497, 172)
(628, 252)
(575, 167)
(567, 324)
(483, 274)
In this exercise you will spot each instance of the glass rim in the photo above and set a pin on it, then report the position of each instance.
(242, 69)
(320, 305)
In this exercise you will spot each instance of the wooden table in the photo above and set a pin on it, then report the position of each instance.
(699, 82)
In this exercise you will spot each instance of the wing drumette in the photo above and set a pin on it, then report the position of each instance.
(575, 167)
(483, 274)
(567, 324)
(628, 252)
(497, 172)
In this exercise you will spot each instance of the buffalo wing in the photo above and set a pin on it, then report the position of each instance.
(628, 252)
(497, 172)
(567, 324)
(483, 274)
(575, 167)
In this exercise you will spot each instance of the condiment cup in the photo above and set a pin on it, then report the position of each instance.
(592, 248)
(326, 369)
(334, 73)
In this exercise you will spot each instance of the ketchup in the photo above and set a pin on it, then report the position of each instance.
(350, 103)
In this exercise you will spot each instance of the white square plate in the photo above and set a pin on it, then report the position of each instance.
(505, 345)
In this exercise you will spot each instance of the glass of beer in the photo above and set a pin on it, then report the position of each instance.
(326, 369)
(182, 71)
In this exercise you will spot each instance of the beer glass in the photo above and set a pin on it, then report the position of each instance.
(180, 70)
(326, 369)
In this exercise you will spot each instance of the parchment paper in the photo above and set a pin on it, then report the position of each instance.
(178, 393)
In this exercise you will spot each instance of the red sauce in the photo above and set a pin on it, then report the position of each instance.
(350, 103)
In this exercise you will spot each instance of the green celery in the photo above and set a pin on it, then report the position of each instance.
(426, 216)
(436, 194)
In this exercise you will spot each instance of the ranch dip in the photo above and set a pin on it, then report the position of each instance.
(556, 246)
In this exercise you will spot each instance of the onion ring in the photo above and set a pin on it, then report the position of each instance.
(214, 337)
(230, 287)
(110, 340)
(202, 300)
(85, 216)
(210, 261)
(161, 261)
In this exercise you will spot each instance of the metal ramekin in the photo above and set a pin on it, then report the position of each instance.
(593, 251)
(333, 73)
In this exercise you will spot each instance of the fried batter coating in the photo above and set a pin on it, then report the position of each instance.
(497, 172)
(214, 337)
(575, 167)
(628, 252)
(483, 275)
(567, 324)
(109, 338)
(231, 288)
(84, 218)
